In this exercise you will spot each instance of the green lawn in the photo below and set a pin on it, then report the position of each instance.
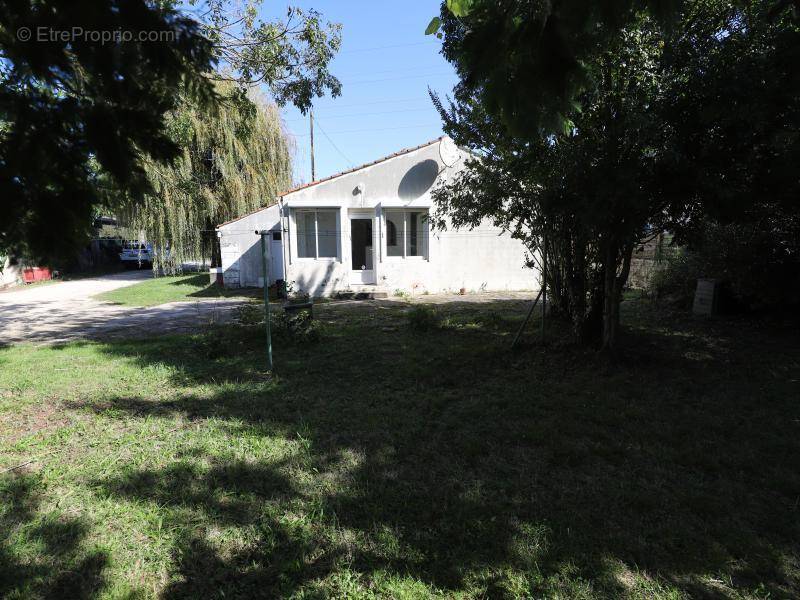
(390, 461)
(161, 290)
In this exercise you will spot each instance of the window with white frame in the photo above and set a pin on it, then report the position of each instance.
(317, 235)
(406, 233)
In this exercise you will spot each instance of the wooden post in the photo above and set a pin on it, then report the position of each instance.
(525, 322)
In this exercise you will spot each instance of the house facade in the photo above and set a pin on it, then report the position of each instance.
(368, 229)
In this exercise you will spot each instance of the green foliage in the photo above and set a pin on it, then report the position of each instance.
(460, 8)
(234, 158)
(290, 56)
(82, 121)
(401, 293)
(298, 326)
(732, 104)
(433, 26)
(675, 281)
(549, 52)
(586, 196)
(423, 318)
(678, 125)
(732, 101)
(757, 264)
(66, 103)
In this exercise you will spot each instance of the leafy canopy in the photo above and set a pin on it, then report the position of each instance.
(66, 102)
(584, 197)
(80, 115)
(548, 50)
(289, 56)
(233, 159)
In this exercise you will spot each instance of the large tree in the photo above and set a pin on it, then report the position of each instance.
(583, 198)
(234, 155)
(74, 90)
(288, 55)
(233, 158)
(732, 102)
(547, 48)
(86, 89)
(659, 136)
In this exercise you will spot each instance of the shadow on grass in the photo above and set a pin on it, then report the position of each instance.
(210, 290)
(484, 471)
(63, 568)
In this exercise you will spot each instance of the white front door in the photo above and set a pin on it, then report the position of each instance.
(362, 250)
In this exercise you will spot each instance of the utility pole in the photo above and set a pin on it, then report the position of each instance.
(311, 122)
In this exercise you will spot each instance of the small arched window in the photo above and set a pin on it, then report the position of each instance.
(391, 233)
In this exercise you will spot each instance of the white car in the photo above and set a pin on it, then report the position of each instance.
(136, 254)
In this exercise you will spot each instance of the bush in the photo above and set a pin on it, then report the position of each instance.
(299, 327)
(676, 279)
(423, 318)
(756, 265)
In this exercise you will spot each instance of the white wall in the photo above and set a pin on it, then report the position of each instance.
(481, 259)
(11, 273)
(475, 260)
(241, 248)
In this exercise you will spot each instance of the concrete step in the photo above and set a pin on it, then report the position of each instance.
(362, 292)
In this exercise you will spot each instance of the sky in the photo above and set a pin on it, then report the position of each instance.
(385, 64)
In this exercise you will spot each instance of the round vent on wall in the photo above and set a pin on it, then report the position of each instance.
(449, 152)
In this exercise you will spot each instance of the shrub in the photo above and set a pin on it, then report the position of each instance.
(676, 279)
(250, 314)
(300, 327)
(757, 265)
(423, 318)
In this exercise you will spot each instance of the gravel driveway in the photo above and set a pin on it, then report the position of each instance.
(66, 310)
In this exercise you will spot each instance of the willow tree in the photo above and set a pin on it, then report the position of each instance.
(235, 157)
(70, 103)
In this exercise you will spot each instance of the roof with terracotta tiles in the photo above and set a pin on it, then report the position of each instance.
(334, 176)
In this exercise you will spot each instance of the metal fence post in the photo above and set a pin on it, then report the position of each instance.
(265, 268)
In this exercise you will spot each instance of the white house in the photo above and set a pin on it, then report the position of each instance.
(367, 229)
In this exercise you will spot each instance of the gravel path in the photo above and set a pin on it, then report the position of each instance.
(65, 311)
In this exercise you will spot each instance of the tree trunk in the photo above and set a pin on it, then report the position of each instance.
(610, 305)
(216, 252)
(577, 277)
(612, 291)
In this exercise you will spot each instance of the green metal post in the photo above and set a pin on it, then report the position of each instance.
(265, 265)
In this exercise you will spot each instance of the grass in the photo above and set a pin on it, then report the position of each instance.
(161, 290)
(390, 460)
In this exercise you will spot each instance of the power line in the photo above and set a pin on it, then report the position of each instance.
(345, 83)
(356, 50)
(371, 129)
(342, 154)
(372, 72)
(368, 114)
(382, 101)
